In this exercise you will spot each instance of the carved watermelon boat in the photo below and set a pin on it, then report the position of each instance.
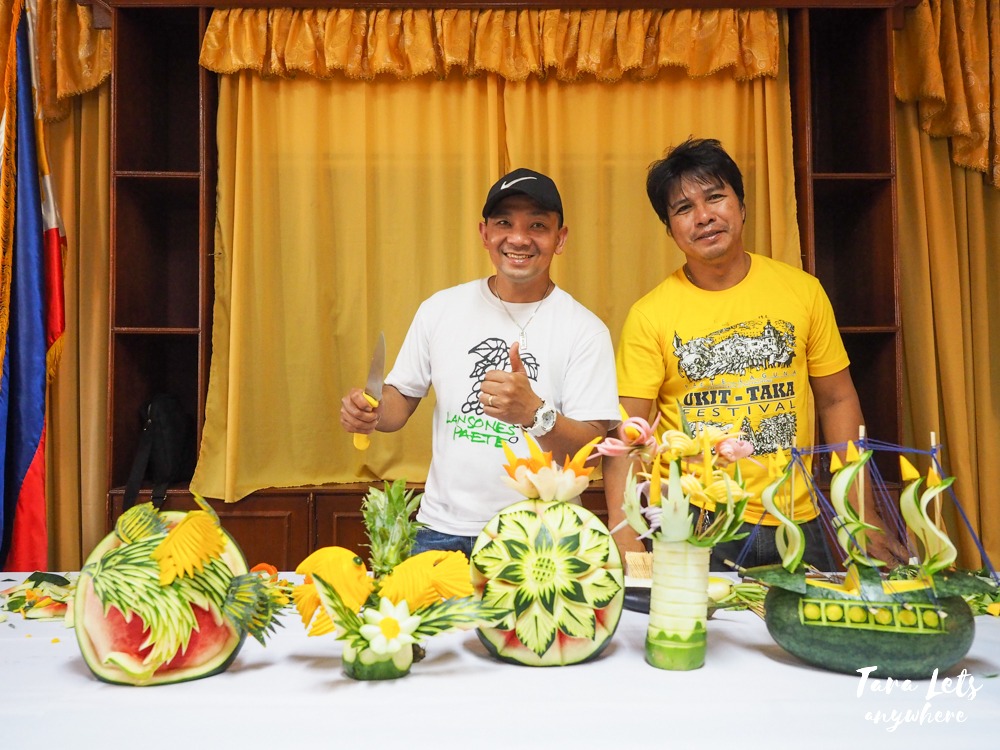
(907, 626)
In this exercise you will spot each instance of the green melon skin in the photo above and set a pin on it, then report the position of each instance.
(502, 539)
(87, 618)
(503, 644)
(899, 651)
(366, 665)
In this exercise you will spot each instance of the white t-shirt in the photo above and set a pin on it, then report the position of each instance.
(457, 336)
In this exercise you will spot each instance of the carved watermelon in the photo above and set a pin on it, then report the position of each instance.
(134, 629)
(555, 569)
(907, 628)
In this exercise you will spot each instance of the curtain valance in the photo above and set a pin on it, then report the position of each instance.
(948, 61)
(73, 57)
(515, 44)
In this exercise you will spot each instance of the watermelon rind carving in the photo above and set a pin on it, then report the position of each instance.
(167, 597)
(554, 568)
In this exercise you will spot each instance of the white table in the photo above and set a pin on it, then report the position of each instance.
(750, 694)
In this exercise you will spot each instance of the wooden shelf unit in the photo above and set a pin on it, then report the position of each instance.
(844, 142)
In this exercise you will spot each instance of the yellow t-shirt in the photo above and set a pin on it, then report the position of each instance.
(739, 359)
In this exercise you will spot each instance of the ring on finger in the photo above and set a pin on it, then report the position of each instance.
(490, 402)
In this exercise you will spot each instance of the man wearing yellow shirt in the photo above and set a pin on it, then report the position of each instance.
(736, 340)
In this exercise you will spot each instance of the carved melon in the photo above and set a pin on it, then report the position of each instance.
(134, 629)
(554, 567)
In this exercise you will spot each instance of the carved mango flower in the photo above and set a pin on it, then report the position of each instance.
(636, 437)
(685, 468)
(539, 478)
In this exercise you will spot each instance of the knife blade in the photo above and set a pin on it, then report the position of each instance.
(373, 386)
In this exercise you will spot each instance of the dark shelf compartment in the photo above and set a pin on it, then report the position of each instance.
(874, 358)
(851, 83)
(146, 364)
(158, 130)
(155, 258)
(855, 250)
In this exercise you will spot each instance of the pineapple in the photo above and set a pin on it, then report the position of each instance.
(388, 515)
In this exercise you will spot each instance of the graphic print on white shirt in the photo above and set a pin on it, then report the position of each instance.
(493, 354)
(472, 426)
(457, 336)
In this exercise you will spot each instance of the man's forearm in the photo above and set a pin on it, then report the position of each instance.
(615, 477)
(395, 409)
(570, 435)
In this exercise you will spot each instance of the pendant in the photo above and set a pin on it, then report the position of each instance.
(523, 340)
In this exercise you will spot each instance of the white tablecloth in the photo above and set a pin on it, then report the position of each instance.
(750, 694)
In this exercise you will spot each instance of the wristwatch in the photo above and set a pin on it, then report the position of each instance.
(545, 420)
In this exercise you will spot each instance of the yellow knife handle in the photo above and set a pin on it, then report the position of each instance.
(361, 441)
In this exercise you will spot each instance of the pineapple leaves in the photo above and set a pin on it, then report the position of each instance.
(461, 613)
(339, 612)
(388, 515)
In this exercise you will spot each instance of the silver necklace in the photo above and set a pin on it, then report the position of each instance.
(523, 336)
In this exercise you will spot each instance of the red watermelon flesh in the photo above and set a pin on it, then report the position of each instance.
(114, 646)
(113, 635)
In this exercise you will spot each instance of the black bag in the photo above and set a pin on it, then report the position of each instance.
(166, 449)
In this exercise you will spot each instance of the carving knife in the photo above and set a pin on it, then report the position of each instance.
(373, 386)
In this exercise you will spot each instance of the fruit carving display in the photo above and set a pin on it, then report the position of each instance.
(167, 597)
(383, 616)
(550, 565)
(908, 623)
(670, 471)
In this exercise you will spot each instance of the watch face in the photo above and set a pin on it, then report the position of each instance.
(548, 418)
(545, 420)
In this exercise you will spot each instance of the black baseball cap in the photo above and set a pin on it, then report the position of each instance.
(541, 189)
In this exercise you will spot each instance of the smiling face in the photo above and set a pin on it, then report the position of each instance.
(522, 238)
(706, 220)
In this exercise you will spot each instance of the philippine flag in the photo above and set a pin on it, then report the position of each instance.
(32, 313)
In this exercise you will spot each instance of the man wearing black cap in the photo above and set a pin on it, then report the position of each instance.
(507, 353)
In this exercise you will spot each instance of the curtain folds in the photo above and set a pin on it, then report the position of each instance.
(949, 221)
(76, 447)
(74, 57)
(342, 205)
(514, 44)
(948, 62)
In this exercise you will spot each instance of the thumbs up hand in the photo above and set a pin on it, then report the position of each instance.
(516, 365)
(508, 395)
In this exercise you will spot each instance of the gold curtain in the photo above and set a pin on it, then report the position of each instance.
(343, 204)
(949, 222)
(513, 44)
(73, 57)
(949, 218)
(948, 62)
(76, 448)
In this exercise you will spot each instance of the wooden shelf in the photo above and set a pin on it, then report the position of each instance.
(843, 108)
(161, 193)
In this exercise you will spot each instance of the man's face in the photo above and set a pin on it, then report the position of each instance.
(522, 239)
(706, 220)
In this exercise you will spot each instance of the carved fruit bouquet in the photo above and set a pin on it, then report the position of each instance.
(668, 473)
(383, 616)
